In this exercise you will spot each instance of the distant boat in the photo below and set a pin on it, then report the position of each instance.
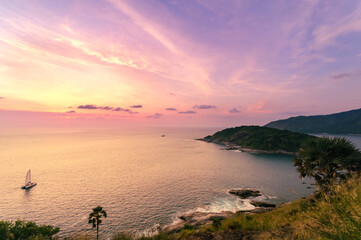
(28, 183)
(163, 135)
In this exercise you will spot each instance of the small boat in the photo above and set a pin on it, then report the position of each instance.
(28, 183)
(163, 135)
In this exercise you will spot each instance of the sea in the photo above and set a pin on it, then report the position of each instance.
(144, 181)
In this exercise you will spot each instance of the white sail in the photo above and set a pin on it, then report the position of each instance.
(28, 177)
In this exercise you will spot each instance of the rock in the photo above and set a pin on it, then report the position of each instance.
(196, 219)
(263, 204)
(245, 193)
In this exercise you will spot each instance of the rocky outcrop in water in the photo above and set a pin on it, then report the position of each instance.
(262, 204)
(197, 219)
(245, 193)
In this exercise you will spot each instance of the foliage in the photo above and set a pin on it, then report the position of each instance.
(95, 217)
(327, 160)
(341, 212)
(26, 230)
(122, 236)
(339, 123)
(260, 138)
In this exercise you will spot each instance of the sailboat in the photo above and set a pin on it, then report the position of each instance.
(28, 183)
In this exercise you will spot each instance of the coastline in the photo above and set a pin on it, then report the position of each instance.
(253, 202)
(229, 146)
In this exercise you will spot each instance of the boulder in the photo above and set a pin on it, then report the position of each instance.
(245, 193)
(262, 204)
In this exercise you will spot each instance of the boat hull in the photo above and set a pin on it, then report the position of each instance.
(29, 186)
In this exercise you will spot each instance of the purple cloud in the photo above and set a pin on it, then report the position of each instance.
(1, 97)
(70, 112)
(106, 108)
(234, 110)
(89, 106)
(171, 109)
(119, 109)
(136, 106)
(346, 75)
(156, 115)
(204, 106)
(187, 112)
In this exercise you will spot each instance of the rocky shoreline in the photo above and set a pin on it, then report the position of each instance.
(229, 146)
(198, 219)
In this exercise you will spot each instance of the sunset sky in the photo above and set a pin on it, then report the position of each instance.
(176, 62)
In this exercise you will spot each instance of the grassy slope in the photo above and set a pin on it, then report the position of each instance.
(332, 217)
(260, 138)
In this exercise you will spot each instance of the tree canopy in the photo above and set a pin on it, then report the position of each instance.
(26, 230)
(328, 159)
(95, 217)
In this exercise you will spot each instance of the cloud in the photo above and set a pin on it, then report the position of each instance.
(258, 107)
(234, 110)
(89, 106)
(171, 109)
(70, 112)
(187, 112)
(107, 108)
(326, 34)
(136, 106)
(1, 97)
(156, 115)
(119, 109)
(204, 106)
(345, 75)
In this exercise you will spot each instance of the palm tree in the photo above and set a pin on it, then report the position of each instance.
(94, 218)
(328, 159)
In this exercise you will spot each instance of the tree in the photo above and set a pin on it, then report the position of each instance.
(95, 218)
(26, 230)
(328, 159)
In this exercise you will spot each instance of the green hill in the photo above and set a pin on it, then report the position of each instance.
(339, 123)
(259, 138)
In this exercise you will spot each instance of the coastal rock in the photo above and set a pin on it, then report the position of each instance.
(245, 193)
(262, 204)
(196, 219)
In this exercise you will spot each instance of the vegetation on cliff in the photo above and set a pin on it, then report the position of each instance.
(260, 138)
(339, 123)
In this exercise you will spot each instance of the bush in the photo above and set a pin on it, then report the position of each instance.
(26, 230)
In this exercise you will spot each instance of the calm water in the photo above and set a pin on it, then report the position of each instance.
(140, 178)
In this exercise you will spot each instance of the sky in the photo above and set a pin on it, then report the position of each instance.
(190, 63)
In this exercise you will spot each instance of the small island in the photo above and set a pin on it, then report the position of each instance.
(256, 139)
